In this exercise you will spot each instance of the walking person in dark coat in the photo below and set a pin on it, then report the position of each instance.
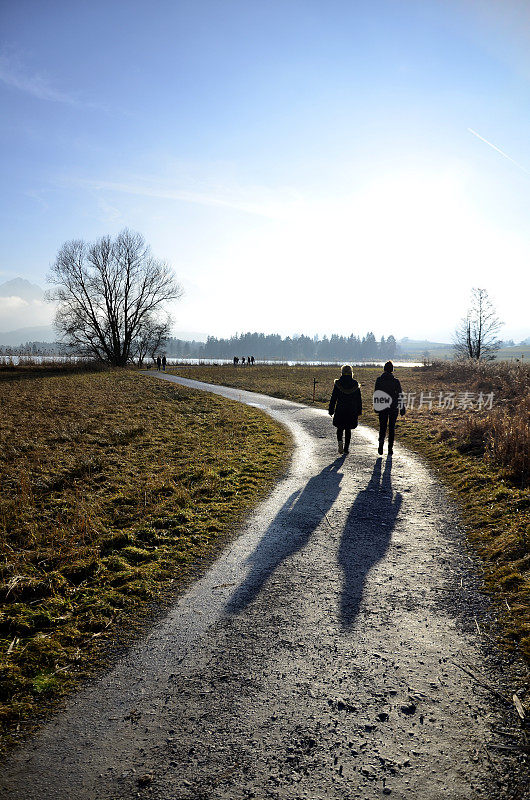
(393, 405)
(345, 406)
(158, 363)
(164, 363)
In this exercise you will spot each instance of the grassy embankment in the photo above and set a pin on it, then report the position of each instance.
(113, 489)
(483, 455)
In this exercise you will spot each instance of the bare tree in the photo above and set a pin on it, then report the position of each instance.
(150, 340)
(110, 294)
(476, 336)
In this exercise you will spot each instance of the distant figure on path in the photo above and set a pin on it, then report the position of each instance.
(243, 360)
(236, 361)
(164, 363)
(345, 406)
(389, 384)
(158, 363)
(252, 360)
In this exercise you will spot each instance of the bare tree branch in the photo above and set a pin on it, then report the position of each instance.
(476, 337)
(150, 340)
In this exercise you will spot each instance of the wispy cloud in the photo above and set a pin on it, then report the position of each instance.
(494, 146)
(16, 312)
(109, 213)
(12, 74)
(237, 199)
(36, 195)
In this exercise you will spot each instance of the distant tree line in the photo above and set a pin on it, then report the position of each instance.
(259, 345)
(182, 348)
(296, 348)
(34, 349)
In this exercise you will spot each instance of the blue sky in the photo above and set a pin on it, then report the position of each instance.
(304, 166)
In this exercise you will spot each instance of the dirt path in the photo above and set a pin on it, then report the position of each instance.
(315, 659)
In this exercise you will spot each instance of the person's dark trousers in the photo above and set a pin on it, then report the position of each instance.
(347, 436)
(387, 418)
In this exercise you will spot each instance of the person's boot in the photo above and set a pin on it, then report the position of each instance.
(341, 447)
(380, 449)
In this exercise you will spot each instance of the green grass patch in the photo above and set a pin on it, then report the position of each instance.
(114, 487)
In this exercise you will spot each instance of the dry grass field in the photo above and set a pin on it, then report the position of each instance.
(482, 454)
(113, 488)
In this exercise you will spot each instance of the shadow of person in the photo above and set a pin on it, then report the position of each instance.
(289, 532)
(366, 537)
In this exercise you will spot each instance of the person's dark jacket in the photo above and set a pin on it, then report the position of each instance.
(345, 404)
(387, 382)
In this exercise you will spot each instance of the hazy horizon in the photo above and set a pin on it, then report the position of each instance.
(31, 305)
(304, 166)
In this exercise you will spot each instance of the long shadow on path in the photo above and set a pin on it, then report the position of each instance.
(366, 537)
(289, 532)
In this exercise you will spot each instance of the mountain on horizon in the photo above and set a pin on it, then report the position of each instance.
(38, 333)
(406, 344)
(20, 287)
(23, 304)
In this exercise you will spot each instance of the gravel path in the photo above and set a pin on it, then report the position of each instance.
(315, 659)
